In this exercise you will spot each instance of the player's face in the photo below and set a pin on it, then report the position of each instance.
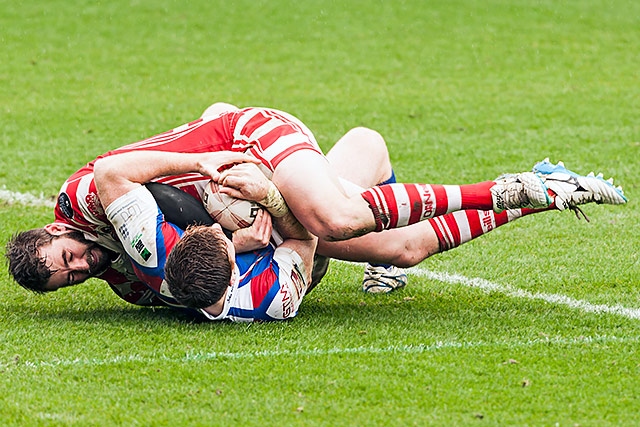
(72, 259)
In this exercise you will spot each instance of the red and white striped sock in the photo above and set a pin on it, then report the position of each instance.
(398, 205)
(459, 227)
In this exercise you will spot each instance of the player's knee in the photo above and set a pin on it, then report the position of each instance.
(367, 138)
(336, 226)
(339, 229)
(374, 149)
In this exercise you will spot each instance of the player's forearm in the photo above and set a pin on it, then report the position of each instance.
(117, 175)
(141, 167)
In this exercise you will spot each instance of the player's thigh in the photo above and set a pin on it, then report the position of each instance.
(315, 195)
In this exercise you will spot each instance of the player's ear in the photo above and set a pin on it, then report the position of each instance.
(56, 229)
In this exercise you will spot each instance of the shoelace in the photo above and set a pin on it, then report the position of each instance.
(576, 210)
(586, 198)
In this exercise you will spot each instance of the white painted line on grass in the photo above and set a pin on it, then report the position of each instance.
(456, 279)
(511, 291)
(25, 198)
(316, 352)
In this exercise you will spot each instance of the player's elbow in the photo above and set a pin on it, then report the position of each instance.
(99, 170)
(103, 170)
(288, 316)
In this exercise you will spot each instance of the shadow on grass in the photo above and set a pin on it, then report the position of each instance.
(312, 311)
(318, 308)
(114, 315)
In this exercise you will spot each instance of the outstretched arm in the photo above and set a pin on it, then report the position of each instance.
(117, 175)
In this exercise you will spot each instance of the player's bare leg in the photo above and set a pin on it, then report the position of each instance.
(402, 247)
(313, 192)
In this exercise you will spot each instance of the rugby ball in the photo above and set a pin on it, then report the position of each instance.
(229, 212)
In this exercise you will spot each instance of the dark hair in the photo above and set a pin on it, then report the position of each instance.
(26, 266)
(198, 270)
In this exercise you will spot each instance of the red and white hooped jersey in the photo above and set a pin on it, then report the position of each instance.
(267, 134)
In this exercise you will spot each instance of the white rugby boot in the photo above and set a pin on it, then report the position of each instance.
(572, 189)
(382, 280)
(522, 190)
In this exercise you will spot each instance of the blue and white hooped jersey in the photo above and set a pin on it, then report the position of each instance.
(268, 284)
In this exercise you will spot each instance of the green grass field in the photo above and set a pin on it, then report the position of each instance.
(537, 323)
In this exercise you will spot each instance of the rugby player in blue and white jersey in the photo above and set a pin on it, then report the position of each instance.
(265, 284)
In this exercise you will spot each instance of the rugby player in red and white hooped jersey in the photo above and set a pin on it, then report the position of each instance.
(79, 209)
(79, 214)
(265, 285)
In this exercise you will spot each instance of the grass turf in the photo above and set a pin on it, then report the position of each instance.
(462, 91)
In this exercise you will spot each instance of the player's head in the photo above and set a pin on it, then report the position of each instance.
(49, 258)
(198, 269)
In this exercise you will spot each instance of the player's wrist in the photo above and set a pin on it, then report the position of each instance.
(274, 203)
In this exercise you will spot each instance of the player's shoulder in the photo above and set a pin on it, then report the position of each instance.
(78, 202)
